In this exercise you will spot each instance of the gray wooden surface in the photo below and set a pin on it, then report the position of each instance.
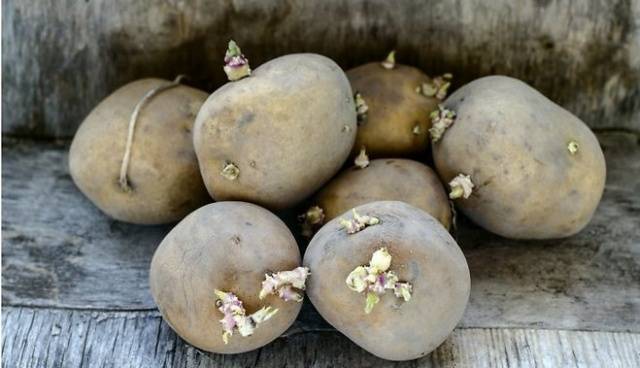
(60, 251)
(36, 337)
(60, 57)
(75, 292)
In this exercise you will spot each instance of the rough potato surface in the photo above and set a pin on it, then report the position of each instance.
(163, 171)
(516, 146)
(423, 254)
(288, 128)
(227, 246)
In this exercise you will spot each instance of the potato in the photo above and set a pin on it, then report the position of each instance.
(386, 179)
(275, 137)
(396, 122)
(537, 171)
(163, 180)
(229, 247)
(427, 264)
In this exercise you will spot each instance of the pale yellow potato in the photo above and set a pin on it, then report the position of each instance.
(228, 246)
(516, 145)
(285, 130)
(423, 254)
(395, 110)
(163, 171)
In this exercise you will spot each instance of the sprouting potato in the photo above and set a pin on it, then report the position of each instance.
(517, 164)
(393, 103)
(227, 278)
(390, 277)
(274, 135)
(382, 180)
(159, 181)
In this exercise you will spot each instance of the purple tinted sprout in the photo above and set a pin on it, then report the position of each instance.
(236, 65)
(235, 317)
(286, 284)
(358, 222)
(375, 279)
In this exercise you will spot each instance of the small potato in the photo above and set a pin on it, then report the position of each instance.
(164, 182)
(520, 165)
(276, 136)
(386, 179)
(396, 122)
(424, 280)
(229, 247)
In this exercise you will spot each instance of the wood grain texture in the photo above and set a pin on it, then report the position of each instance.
(60, 251)
(68, 338)
(61, 57)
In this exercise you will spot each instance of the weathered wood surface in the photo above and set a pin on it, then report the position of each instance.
(61, 338)
(60, 57)
(60, 251)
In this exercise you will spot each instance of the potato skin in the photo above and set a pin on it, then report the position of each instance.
(163, 170)
(288, 127)
(227, 246)
(395, 108)
(387, 179)
(424, 254)
(513, 141)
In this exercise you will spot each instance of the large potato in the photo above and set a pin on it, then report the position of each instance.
(386, 179)
(275, 137)
(537, 170)
(423, 254)
(163, 175)
(227, 246)
(396, 122)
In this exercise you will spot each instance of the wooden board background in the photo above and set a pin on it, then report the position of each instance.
(61, 57)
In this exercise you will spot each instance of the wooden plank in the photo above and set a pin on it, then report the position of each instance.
(60, 57)
(55, 338)
(60, 251)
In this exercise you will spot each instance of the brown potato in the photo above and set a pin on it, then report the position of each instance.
(423, 254)
(386, 180)
(275, 137)
(537, 171)
(228, 246)
(165, 182)
(397, 120)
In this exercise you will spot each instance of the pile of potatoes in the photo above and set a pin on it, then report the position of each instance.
(346, 150)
